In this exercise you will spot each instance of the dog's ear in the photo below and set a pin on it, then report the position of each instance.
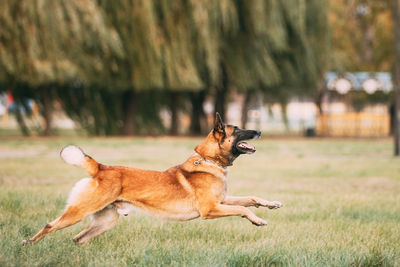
(219, 125)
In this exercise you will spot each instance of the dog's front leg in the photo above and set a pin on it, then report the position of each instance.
(221, 210)
(251, 201)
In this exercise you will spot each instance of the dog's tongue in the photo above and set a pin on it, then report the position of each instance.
(246, 145)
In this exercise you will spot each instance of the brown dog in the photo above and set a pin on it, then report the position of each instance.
(184, 192)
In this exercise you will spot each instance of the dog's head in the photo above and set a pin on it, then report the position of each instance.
(226, 142)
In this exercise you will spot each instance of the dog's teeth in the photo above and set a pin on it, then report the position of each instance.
(246, 145)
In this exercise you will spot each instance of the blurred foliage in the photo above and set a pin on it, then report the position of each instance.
(362, 40)
(362, 35)
(44, 42)
(114, 64)
(102, 115)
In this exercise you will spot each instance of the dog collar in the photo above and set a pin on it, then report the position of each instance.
(198, 162)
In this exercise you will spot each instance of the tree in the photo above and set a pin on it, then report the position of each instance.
(362, 35)
(279, 48)
(47, 44)
(128, 59)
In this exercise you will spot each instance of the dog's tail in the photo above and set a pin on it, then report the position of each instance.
(75, 156)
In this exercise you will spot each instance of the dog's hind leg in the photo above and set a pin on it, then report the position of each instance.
(101, 221)
(72, 215)
(86, 198)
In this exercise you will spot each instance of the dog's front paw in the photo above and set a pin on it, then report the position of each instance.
(274, 205)
(26, 242)
(269, 204)
(259, 222)
(256, 220)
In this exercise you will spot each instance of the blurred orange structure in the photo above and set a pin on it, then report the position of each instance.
(353, 124)
(357, 117)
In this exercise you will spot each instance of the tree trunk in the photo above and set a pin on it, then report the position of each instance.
(221, 94)
(197, 115)
(21, 122)
(318, 103)
(320, 96)
(283, 103)
(174, 102)
(396, 76)
(46, 108)
(246, 105)
(129, 107)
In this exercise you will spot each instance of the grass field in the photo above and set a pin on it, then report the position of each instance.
(341, 206)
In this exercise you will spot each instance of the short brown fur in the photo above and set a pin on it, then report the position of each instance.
(196, 188)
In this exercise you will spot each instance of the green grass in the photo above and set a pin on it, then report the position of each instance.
(341, 206)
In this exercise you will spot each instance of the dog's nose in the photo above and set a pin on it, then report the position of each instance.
(258, 133)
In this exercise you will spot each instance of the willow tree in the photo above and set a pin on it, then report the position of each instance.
(123, 58)
(158, 61)
(299, 48)
(179, 53)
(45, 44)
(188, 45)
(261, 44)
(209, 20)
(319, 42)
(248, 52)
(157, 40)
(141, 68)
(278, 47)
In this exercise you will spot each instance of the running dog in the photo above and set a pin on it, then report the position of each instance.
(196, 188)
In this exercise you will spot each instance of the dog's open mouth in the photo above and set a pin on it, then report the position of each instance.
(244, 147)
